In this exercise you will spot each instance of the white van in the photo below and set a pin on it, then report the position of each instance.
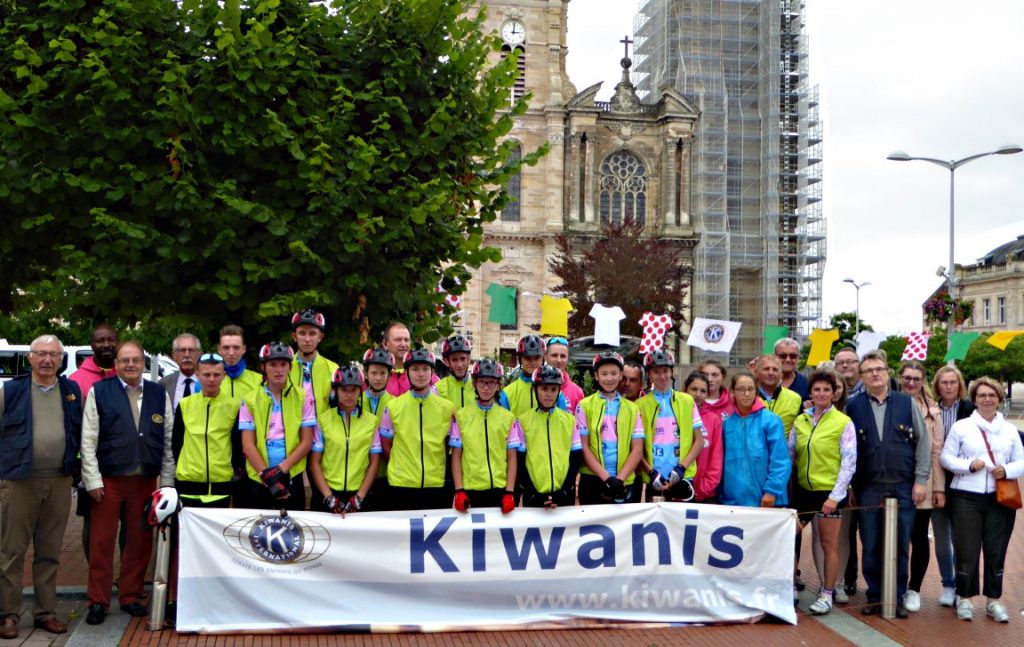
(14, 361)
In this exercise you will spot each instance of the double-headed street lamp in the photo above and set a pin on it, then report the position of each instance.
(856, 314)
(952, 166)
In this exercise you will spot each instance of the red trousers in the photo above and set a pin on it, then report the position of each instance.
(133, 492)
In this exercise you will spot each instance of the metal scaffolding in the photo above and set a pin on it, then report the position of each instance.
(756, 179)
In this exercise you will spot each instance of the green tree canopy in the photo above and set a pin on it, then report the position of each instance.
(846, 324)
(189, 164)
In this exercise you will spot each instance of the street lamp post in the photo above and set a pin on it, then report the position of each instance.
(856, 314)
(952, 166)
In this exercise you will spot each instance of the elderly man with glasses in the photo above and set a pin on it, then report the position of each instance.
(126, 444)
(893, 460)
(40, 423)
(788, 351)
(185, 350)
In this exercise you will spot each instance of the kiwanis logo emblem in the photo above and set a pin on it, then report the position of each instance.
(278, 539)
(714, 333)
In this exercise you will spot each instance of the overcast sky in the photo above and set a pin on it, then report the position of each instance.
(933, 78)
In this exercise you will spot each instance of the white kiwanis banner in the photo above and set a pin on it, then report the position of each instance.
(247, 570)
(713, 334)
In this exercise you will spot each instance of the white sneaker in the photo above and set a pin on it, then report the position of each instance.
(912, 601)
(840, 595)
(965, 609)
(997, 611)
(948, 597)
(821, 606)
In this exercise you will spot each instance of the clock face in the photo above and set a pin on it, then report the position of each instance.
(513, 32)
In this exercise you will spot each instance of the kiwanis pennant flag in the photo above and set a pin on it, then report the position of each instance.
(714, 334)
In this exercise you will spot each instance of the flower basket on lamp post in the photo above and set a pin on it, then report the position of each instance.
(938, 309)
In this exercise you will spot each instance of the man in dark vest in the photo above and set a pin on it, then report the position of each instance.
(126, 443)
(40, 428)
(893, 460)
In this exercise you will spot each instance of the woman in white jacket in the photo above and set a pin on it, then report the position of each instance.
(979, 450)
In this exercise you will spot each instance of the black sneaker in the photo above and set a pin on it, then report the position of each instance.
(97, 614)
(171, 615)
(901, 611)
(851, 589)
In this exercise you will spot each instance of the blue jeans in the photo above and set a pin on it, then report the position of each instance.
(872, 526)
(943, 529)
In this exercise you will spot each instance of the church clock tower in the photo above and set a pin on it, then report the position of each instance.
(566, 192)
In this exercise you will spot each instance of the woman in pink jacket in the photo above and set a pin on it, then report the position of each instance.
(709, 462)
(557, 355)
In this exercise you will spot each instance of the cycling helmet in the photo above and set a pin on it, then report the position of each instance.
(487, 368)
(531, 346)
(308, 317)
(276, 350)
(347, 376)
(547, 374)
(456, 344)
(161, 506)
(420, 356)
(380, 356)
(607, 357)
(658, 358)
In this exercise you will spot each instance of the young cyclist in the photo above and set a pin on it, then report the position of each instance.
(557, 355)
(377, 364)
(674, 434)
(207, 448)
(457, 388)
(277, 422)
(519, 395)
(414, 436)
(552, 451)
(231, 347)
(485, 440)
(311, 369)
(612, 432)
(344, 462)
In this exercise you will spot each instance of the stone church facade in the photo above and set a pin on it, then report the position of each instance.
(607, 160)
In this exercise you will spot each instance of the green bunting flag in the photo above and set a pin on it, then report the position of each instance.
(773, 334)
(959, 343)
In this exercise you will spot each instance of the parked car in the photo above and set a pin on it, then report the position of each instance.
(14, 361)
(583, 349)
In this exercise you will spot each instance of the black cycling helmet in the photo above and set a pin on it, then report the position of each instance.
(308, 317)
(380, 356)
(531, 346)
(547, 374)
(607, 357)
(348, 376)
(456, 344)
(276, 350)
(420, 356)
(487, 368)
(658, 358)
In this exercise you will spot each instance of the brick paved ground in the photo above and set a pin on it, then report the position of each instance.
(932, 626)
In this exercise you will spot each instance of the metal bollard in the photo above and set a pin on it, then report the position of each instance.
(891, 524)
(158, 604)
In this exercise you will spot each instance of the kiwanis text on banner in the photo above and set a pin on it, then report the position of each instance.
(666, 562)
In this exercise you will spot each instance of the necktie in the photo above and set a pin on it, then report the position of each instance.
(187, 391)
(134, 399)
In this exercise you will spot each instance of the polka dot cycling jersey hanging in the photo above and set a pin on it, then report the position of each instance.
(655, 329)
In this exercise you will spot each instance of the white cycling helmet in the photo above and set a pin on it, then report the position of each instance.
(162, 505)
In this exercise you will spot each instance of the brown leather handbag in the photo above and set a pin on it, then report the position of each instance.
(1007, 490)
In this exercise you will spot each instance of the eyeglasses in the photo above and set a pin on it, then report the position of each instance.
(186, 350)
(912, 380)
(873, 371)
(978, 396)
(744, 389)
(558, 340)
(52, 354)
(129, 361)
(211, 358)
(846, 362)
(787, 355)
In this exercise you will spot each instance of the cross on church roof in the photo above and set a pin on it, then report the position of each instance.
(626, 42)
